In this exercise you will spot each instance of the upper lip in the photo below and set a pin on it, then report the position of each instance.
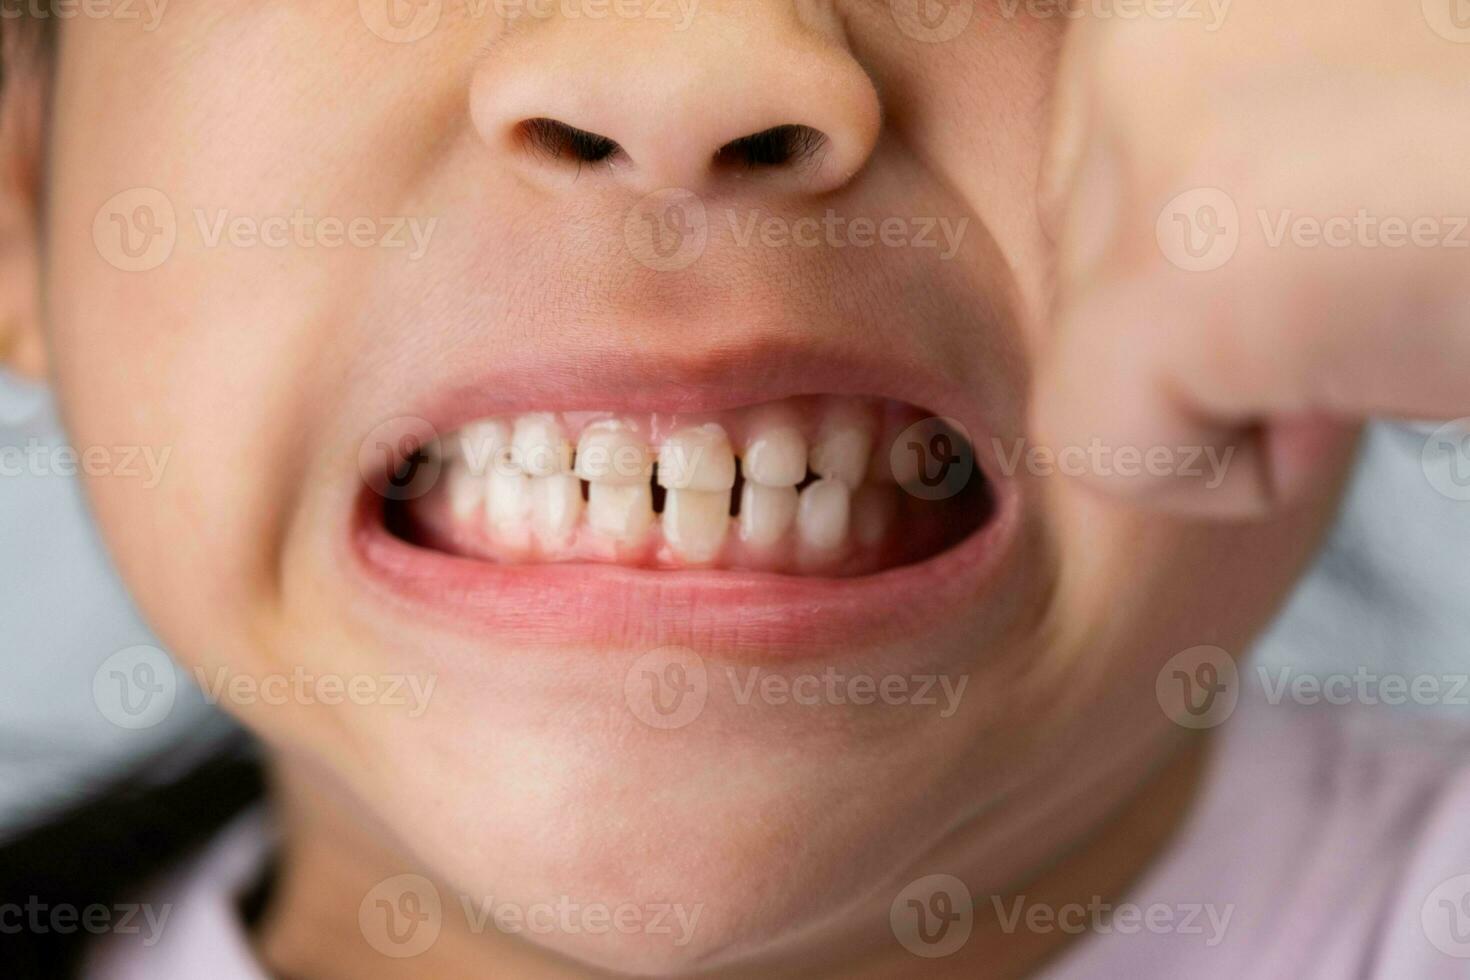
(614, 378)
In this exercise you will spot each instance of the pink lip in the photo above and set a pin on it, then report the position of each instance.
(743, 615)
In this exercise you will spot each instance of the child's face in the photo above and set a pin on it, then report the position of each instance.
(265, 371)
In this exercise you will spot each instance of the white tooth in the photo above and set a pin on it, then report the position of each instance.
(766, 514)
(696, 522)
(466, 491)
(611, 452)
(775, 450)
(823, 515)
(481, 443)
(623, 514)
(872, 513)
(540, 445)
(698, 459)
(556, 508)
(844, 443)
(507, 498)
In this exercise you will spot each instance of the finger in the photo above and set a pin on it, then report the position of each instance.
(1264, 366)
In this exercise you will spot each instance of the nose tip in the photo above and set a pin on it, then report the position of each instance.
(751, 98)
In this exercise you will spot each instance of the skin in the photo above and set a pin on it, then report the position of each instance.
(793, 828)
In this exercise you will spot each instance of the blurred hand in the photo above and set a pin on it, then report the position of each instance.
(1262, 238)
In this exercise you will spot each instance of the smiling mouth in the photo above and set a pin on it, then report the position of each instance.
(813, 486)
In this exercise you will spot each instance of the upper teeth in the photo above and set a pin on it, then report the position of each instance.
(540, 445)
(843, 445)
(483, 443)
(697, 459)
(775, 452)
(612, 453)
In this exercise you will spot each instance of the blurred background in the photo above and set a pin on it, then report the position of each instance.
(1389, 594)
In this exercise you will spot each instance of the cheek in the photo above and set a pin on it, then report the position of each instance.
(1134, 588)
(979, 107)
(175, 328)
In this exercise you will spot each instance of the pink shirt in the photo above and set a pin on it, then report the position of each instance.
(1329, 842)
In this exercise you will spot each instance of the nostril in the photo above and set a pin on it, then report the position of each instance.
(563, 142)
(778, 146)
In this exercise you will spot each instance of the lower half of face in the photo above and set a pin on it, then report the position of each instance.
(643, 531)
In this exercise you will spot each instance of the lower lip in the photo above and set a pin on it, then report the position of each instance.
(739, 615)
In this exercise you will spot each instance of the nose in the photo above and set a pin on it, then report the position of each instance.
(749, 90)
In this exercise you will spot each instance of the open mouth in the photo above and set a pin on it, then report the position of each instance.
(824, 486)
